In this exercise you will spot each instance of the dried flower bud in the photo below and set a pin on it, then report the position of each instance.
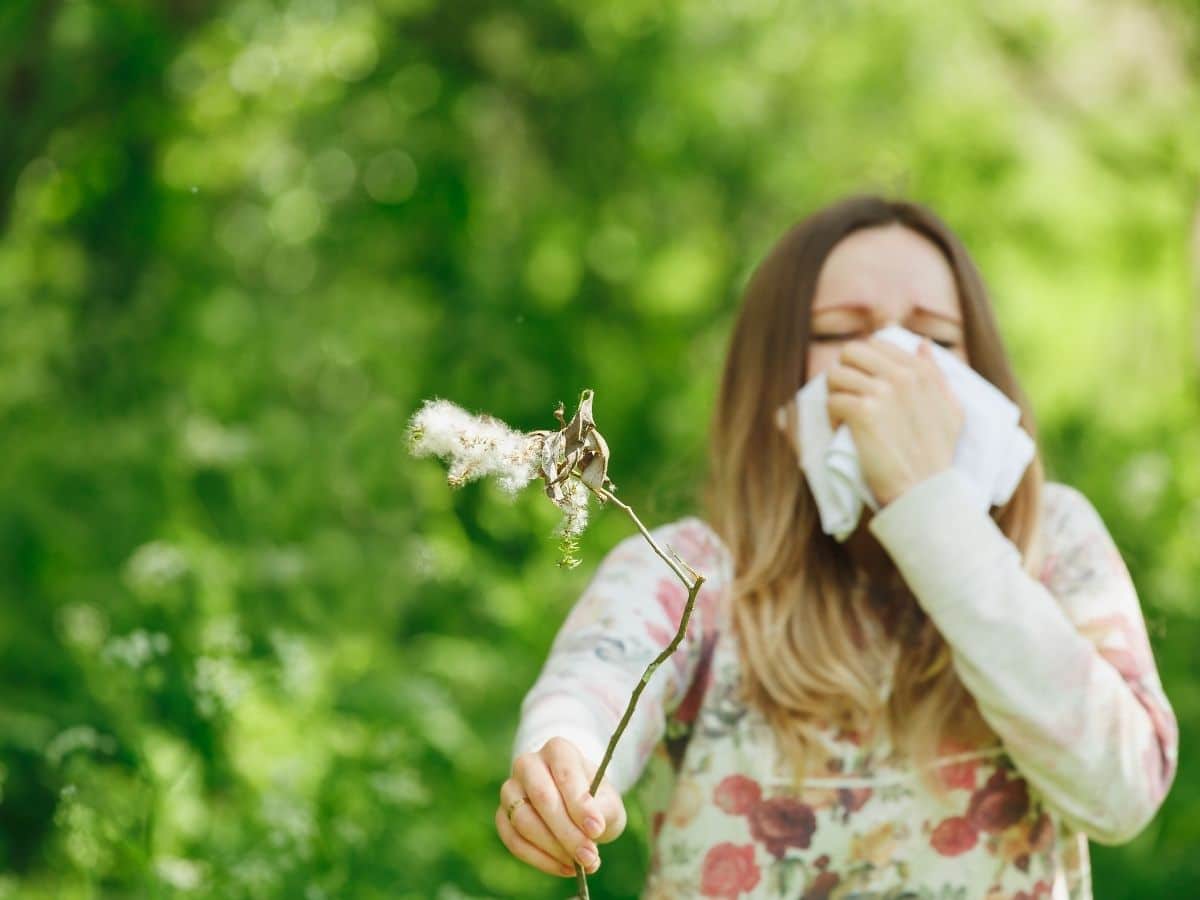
(481, 445)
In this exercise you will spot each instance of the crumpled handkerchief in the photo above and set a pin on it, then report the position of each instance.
(993, 449)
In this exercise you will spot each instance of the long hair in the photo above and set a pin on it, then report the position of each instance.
(802, 613)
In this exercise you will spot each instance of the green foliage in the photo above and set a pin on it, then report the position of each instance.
(252, 649)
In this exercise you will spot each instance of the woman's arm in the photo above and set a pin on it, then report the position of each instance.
(627, 614)
(1061, 670)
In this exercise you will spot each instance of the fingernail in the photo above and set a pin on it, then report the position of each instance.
(594, 826)
(587, 856)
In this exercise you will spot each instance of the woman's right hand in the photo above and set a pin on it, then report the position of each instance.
(560, 822)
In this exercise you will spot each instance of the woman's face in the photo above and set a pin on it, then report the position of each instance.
(878, 276)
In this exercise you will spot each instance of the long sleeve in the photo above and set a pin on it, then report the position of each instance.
(628, 612)
(1061, 666)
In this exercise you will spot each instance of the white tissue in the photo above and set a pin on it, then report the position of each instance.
(993, 450)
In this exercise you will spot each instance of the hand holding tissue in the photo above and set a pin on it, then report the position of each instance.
(992, 449)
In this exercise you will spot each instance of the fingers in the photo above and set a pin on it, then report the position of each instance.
(548, 831)
(528, 824)
(534, 777)
(850, 379)
(546, 798)
(922, 358)
(867, 356)
(845, 407)
(523, 850)
(612, 809)
(896, 353)
(926, 352)
(566, 768)
(519, 811)
(880, 358)
(846, 386)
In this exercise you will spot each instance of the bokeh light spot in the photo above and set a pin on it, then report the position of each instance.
(391, 177)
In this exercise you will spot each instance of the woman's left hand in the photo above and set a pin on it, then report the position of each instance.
(901, 410)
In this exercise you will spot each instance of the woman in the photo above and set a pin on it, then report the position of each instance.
(947, 704)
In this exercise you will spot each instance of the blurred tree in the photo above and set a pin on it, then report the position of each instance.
(252, 649)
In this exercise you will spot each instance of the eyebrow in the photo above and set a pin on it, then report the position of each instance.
(863, 307)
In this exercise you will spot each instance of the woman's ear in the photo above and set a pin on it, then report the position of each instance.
(787, 419)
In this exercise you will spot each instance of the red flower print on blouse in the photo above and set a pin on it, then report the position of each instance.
(848, 734)
(953, 836)
(737, 794)
(729, 870)
(853, 799)
(693, 543)
(822, 886)
(689, 706)
(672, 597)
(1041, 834)
(782, 822)
(1041, 889)
(999, 803)
(957, 774)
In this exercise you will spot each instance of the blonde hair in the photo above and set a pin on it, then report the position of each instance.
(799, 605)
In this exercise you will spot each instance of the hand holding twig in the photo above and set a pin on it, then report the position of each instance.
(571, 461)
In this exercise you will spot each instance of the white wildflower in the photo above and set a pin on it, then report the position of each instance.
(78, 737)
(254, 873)
(1143, 480)
(181, 874)
(136, 648)
(207, 442)
(572, 460)
(155, 565)
(290, 824)
(299, 671)
(84, 626)
(477, 446)
(223, 635)
(218, 684)
(574, 505)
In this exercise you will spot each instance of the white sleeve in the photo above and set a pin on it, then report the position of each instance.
(1061, 667)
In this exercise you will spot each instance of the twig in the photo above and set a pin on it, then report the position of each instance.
(693, 587)
(571, 461)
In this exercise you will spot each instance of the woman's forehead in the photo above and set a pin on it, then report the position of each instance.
(886, 267)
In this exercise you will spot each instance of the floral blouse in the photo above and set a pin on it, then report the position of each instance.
(1060, 666)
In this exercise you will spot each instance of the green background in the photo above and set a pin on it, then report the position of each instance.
(249, 646)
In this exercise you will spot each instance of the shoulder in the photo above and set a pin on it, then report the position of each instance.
(697, 543)
(700, 546)
(690, 533)
(699, 535)
(690, 536)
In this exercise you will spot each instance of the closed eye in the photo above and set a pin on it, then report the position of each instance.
(827, 338)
